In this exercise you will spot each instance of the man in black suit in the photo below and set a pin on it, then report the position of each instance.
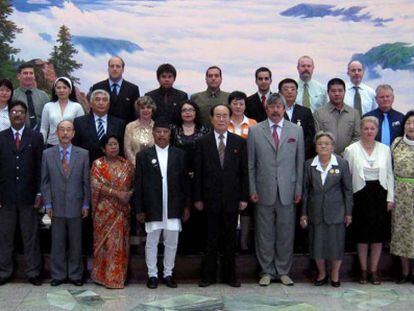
(162, 198)
(298, 114)
(123, 93)
(167, 98)
(255, 104)
(221, 188)
(20, 170)
(89, 129)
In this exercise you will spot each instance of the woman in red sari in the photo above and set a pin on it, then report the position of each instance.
(111, 184)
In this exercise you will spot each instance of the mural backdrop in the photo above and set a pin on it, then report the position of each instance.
(239, 36)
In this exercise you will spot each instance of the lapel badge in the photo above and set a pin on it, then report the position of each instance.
(332, 171)
(299, 123)
(336, 171)
(154, 162)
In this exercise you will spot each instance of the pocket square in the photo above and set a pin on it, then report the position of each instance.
(291, 140)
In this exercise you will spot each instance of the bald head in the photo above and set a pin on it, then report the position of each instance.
(355, 72)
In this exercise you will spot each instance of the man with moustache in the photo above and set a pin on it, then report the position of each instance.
(336, 117)
(66, 194)
(359, 95)
(212, 96)
(311, 93)
(123, 94)
(276, 157)
(256, 103)
(162, 199)
(221, 189)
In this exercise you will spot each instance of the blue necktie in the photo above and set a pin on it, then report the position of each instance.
(385, 131)
(101, 130)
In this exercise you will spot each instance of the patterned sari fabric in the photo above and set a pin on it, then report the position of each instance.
(111, 221)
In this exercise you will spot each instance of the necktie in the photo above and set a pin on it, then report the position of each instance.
(17, 140)
(114, 91)
(221, 149)
(357, 101)
(101, 130)
(385, 131)
(263, 101)
(30, 106)
(306, 97)
(275, 136)
(65, 162)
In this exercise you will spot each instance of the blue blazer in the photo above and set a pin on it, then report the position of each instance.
(395, 118)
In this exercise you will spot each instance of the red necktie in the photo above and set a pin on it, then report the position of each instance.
(17, 140)
(275, 136)
(264, 102)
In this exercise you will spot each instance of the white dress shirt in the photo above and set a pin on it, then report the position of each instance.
(278, 128)
(118, 88)
(317, 94)
(368, 102)
(104, 122)
(266, 94)
(289, 111)
(324, 172)
(4, 119)
(216, 135)
(238, 127)
(173, 224)
(18, 131)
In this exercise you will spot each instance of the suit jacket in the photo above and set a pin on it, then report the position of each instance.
(254, 108)
(67, 193)
(221, 187)
(330, 202)
(395, 119)
(303, 117)
(168, 103)
(86, 136)
(148, 184)
(122, 106)
(20, 169)
(270, 169)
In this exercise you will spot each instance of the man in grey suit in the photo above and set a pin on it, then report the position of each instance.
(276, 157)
(66, 194)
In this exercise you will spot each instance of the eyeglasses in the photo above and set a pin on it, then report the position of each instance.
(17, 112)
(188, 110)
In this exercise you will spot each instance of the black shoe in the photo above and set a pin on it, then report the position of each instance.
(76, 282)
(234, 283)
(36, 281)
(404, 279)
(321, 282)
(169, 281)
(336, 284)
(56, 282)
(204, 283)
(152, 282)
(4, 281)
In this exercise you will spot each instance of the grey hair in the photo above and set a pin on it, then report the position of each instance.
(276, 98)
(65, 120)
(99, 91)
(145, 101)
(321, 134)
(370, 119)
(383, 87)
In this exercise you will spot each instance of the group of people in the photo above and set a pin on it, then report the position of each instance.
(340, 156)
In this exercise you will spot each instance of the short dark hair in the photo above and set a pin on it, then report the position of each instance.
(336, 81)
(406, 117)
(24, 66)
(166, 68)
(286, 81)
(105, 140)
(262, 69)
(16, 103)
(72, 95)
(198, 121)
(7, 83)
(236, 95)
(213, 67)
(216, 105)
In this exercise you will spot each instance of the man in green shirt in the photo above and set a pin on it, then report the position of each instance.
(28, 93)
(212, 96)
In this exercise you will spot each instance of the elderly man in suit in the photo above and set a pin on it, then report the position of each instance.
(221, 188)
(123, 93)
(66, 194)
(162, 198)
(276, 158)
(20, 166)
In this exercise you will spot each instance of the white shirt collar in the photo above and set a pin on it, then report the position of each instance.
(280, 124)
(245, 121)
(317, 163)
(18, 131)
(158, 149)
(103, 118)
(119, 83)
(216, 135)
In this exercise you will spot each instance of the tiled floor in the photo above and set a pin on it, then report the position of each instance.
(302, 296)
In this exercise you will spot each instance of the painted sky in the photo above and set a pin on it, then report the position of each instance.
(239, 36)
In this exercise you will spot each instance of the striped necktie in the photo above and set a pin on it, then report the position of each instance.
(101, 130)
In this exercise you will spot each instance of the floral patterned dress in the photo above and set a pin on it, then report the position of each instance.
(111, 222)
(402, 230)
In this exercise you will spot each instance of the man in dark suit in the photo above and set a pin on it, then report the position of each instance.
(162, 198)
(221, 188)
(390, 120)
(89, 129)
(299, 115)
(167, 98)
(123, 93)
(66, 195)
(255, 104)
(20, 167)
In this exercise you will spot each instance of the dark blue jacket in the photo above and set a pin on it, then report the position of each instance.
(395, 119)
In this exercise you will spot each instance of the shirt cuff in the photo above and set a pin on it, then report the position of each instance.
(48, 206)
(85, 206)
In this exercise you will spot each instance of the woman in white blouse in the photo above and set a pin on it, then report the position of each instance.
(373, 187)
(63, 106)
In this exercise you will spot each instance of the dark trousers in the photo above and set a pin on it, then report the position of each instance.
(28, 219)
(66, 253)
(221, 231)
